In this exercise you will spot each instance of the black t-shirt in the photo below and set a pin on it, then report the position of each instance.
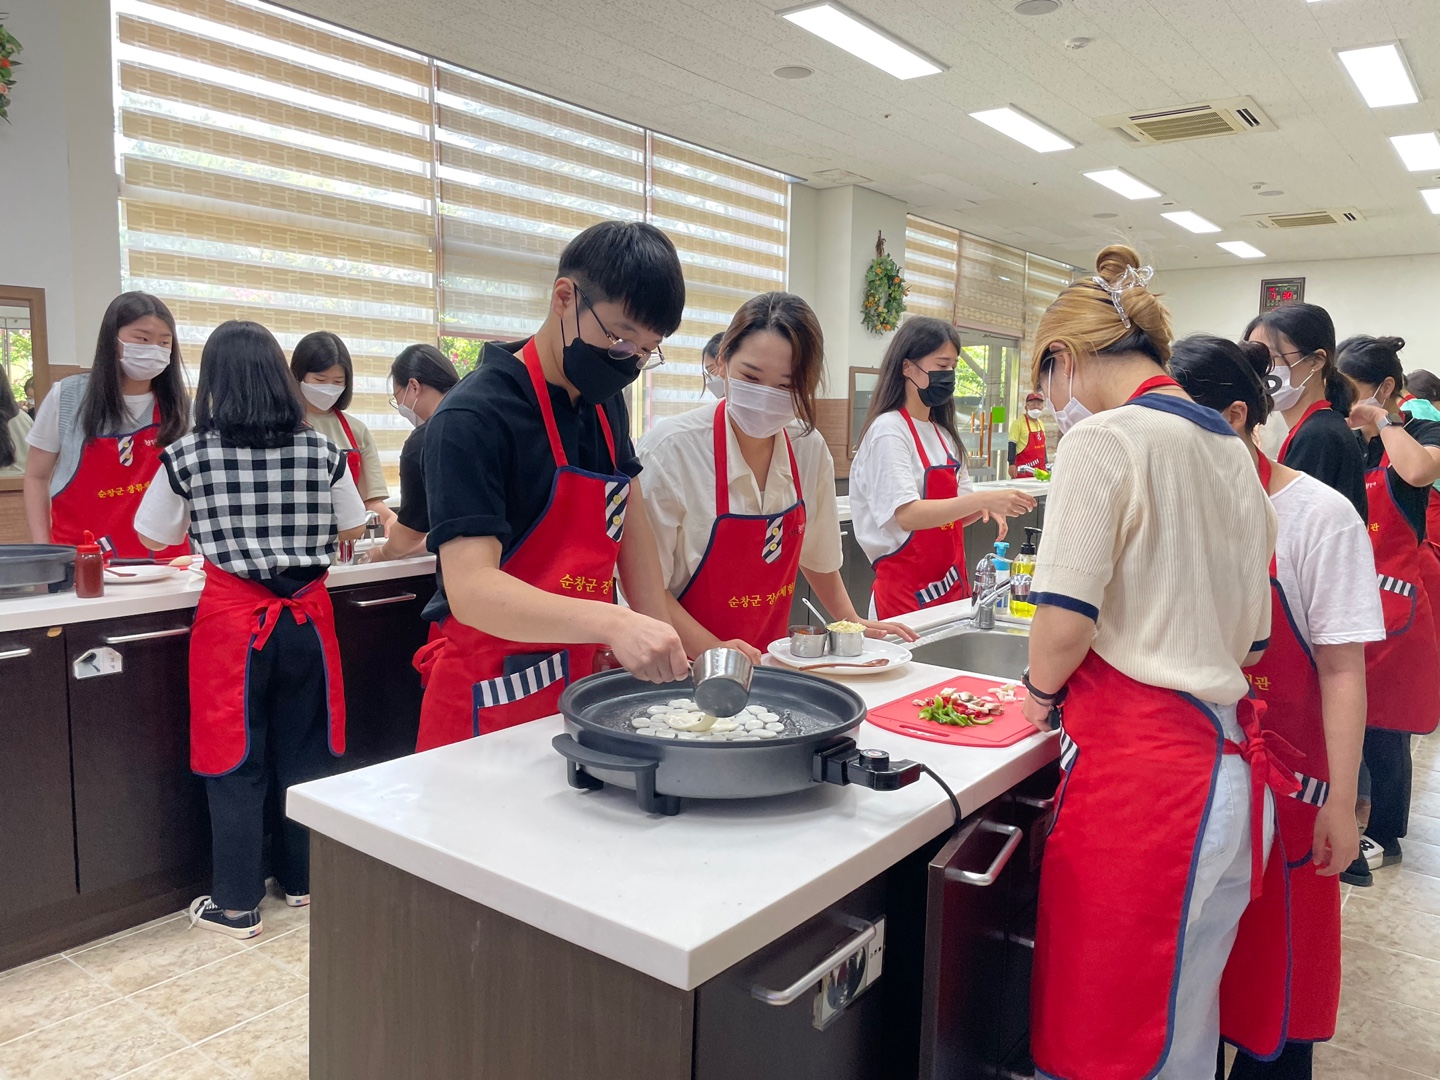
(1413, 501)
(1327, 449)
(414, 512)
(488, 465)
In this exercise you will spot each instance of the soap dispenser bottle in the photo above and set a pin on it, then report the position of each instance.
(1022, 571)
(1002, 575)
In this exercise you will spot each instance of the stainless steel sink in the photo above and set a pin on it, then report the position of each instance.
(1003, 652)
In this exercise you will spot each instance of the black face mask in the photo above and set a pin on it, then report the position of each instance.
(940, 390)
(593, 372)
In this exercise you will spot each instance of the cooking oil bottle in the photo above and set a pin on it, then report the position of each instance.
(1022, 572)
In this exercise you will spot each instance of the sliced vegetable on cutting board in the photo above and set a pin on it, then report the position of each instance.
(964, 711)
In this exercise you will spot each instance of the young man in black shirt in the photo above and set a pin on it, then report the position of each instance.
(535, 502)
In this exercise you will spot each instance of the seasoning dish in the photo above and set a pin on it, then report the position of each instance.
(808, 642)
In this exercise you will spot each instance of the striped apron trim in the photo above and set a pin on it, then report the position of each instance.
(936, 589)
(617, 498)
(774, 537)
(522, 684)
(1068, 751)
(1312, 791)
(1395, 585)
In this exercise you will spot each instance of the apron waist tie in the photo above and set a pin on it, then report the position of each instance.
(267, 615)
(1262, 751)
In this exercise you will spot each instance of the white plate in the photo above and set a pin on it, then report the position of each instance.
(897, 654)
(143, 574)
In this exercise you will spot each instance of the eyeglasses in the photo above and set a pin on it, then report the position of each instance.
(1278, 358)
(620, 348)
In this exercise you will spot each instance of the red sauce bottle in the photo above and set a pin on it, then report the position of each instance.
(89, 569)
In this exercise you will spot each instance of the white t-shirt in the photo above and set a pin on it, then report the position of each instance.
(45, 435)
(1325, 565)
(887, 474)
(679, 485)
(165, 516)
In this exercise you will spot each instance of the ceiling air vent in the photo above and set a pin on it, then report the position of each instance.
(1204, 120)
(1308, 219)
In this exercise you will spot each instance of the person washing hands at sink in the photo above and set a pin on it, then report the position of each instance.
(742, 495)
(535, 498)
(1152, 596)
(910, 494)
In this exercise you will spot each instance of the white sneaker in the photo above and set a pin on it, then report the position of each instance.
(291, 900)
(1372, 853)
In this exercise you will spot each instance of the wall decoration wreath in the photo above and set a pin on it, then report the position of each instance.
(8, 48)
(885, 292)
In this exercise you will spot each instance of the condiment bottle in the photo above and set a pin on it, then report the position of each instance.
(89, 569)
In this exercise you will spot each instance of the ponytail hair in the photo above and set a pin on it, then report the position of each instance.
(1312, 331)
(1371, 360)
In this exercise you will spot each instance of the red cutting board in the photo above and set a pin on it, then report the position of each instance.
(902, 716)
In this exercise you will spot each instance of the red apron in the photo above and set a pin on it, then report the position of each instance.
(1315, 407)
(234, 616)
(746, 579)
(1282, 982)
(1402, 678)
(1112, 913)
(352, 456)
(476, 683)
(930, 567)
(106, 490)
(1033, 452)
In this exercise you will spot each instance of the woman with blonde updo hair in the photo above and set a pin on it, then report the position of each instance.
(1152, 594)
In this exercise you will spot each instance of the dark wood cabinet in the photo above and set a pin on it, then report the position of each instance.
(37, 839)
(139, 811)
(379, 628)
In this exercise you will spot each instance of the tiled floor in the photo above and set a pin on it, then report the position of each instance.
(164, 1002)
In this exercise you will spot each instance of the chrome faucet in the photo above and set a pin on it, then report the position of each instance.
(987, 592)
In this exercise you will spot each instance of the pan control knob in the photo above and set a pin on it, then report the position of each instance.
(874, 760)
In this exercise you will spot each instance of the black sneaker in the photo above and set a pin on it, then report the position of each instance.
(205, 914)
(1392, 853)
(1358, 873)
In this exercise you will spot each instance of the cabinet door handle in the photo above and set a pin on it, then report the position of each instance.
(969, 877)
(793, 992)
(129, 639)
(14, 654)
(398, 598)
(1044, 805)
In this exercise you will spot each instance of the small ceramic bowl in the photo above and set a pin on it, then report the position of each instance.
(808, 642)
(846, 642)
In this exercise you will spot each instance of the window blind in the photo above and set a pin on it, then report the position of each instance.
(1044, 281)
(267, 173)
(991, 286)
(932, 252)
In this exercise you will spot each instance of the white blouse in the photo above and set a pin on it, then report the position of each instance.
(678, 456)
(887, 474)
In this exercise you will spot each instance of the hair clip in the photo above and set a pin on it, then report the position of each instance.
(1132, 278)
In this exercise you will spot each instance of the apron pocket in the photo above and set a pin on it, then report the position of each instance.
(1397, 598)
(547, 670)
(1069, 754)
(936, 589)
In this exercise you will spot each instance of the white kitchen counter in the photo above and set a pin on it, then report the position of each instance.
(680, 898)
(182, 590)
(1038, 488)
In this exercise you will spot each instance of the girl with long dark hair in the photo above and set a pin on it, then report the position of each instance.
(265, 499)
(910, 494)
(420, 378)
(96, 443)
(14, 426)
(741, 491)
(1281, 990)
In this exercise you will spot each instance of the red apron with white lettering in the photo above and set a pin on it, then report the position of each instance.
(1033, 452)
(234, 616)
(746, 579)
(1315, 407)
(476, 683)
(352, 455)
(929, 568)
(1282, 982)
(106, 490)
(1402, 678)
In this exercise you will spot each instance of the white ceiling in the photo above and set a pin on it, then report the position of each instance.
(702, 70)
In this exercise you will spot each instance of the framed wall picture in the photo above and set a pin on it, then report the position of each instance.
(1277, 291)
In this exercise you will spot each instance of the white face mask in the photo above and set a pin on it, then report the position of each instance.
(715, 384)
(143, 362)
(1074, 410)
(1285, 395)
(759, 411)
(1034, 414)
(322, 395)
(407, 411)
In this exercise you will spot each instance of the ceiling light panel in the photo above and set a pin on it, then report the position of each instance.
(1432, 199)
(1381, 75)
(1118, 180)
(1188, 219)
(1241, 248)
(1418, 152)
(859, 38)
(1023, 129)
